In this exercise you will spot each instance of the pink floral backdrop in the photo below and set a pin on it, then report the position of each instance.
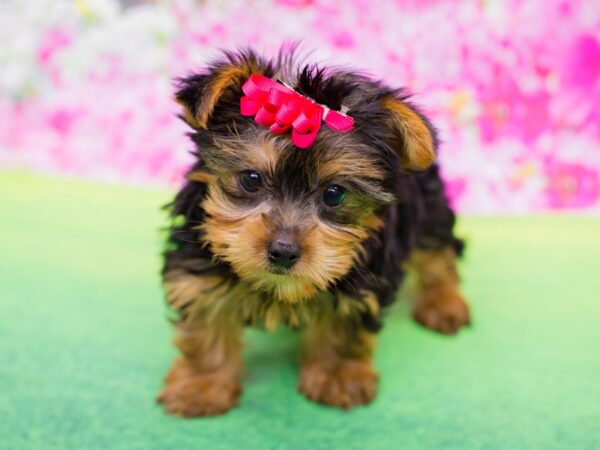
(513, 86)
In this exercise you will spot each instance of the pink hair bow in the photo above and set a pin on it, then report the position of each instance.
(280, 108)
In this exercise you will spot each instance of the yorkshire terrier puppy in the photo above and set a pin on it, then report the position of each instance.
(313, 190)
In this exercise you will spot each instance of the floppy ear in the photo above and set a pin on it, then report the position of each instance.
(413, 136)
(199, 94)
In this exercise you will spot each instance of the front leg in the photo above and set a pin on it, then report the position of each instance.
(337, 368)
(205, 380)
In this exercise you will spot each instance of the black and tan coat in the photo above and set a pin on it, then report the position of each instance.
(218, 275)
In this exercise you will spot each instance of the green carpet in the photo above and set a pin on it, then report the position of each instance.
(84, 342)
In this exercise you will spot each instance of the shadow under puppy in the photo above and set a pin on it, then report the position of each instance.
(296, 220)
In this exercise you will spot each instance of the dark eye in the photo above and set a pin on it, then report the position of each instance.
(250, 180)
(334, 195)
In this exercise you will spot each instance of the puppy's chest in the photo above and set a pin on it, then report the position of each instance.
(214, 301)
(262, 311)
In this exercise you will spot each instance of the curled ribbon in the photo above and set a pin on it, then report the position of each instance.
(280, 108)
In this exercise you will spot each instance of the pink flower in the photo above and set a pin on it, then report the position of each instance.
(52, 41)
(296, 3)
(342, 39)
(510, 84)
(571, 185)
(582, 64)
(62, 120)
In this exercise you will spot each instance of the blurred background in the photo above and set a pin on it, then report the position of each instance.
(90, 148)
(513, 86)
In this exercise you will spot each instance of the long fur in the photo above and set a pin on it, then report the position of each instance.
(411, 205)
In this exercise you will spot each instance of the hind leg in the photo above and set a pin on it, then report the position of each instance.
(439, 305)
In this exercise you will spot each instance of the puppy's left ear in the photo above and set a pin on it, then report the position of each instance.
(199, 94)
(412, 135)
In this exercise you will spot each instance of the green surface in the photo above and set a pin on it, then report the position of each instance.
(84, 342)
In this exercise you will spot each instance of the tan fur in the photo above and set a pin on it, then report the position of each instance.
(337, 365)
(245, 226)
(201, 177)
(206, 379)
(181, 289)
(330, 252)
(191, 393)
(419, 152)
(440, 305)
(372, 222)
(224, 78)
(214, 300)
(352, 163)
(261, 154)
(188, 116)
(240, 237)
(348, 163)
(265, 154)
(206, 296)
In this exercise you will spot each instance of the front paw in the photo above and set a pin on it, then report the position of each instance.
(189, 393)
(442, 310)
(345, 384)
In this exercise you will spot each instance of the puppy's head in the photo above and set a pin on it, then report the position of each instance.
(291, 221)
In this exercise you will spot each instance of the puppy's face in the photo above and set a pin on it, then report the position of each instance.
(291, 222)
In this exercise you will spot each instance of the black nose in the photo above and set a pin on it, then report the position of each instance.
(283, 253)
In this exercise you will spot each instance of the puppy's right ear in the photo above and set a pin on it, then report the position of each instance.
(199, 94)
